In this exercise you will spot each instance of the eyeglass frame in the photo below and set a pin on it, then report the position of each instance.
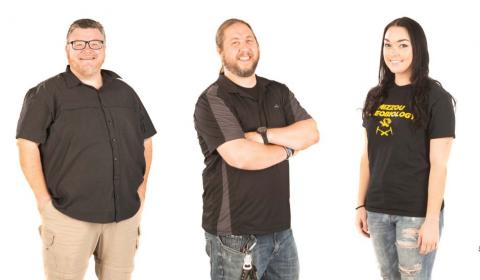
(86, 43)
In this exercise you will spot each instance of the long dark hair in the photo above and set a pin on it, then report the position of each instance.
(419, 79)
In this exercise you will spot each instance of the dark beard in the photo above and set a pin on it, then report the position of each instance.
(239, 72)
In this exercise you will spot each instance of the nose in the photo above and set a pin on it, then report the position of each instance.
(243, 45)
(87, 50)
(394, 51)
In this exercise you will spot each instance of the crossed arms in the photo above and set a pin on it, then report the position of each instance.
(250, 153)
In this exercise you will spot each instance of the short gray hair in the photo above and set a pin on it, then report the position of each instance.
(86, 23)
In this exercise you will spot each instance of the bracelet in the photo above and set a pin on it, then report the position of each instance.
(360, 206)
(289, 152)
(286, 152)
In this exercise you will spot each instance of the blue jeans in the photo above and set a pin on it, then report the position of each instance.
(274, 255)
(395, 242)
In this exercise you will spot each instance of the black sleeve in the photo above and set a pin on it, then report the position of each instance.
(293, 110)
(214, 121)
(146, 123)
(442, 117)
(36, 116)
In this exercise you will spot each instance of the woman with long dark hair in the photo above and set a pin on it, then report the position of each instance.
(410, 125)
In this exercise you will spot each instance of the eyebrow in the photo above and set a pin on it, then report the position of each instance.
(401, 40)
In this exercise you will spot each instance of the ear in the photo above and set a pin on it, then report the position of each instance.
(219, 51)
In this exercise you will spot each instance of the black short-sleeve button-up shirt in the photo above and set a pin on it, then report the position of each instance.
(91, 144)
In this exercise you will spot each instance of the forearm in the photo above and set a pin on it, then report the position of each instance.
(249, 155)
(363, 181)
(148, 161)
(436, 190)
(258, 156)
(298, 136)
(439, 154)
(148, 158)
(31, 164)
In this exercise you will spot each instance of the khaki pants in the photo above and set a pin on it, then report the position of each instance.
(68, 245)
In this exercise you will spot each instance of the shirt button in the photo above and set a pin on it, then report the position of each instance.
(115, 159)
(114, 139)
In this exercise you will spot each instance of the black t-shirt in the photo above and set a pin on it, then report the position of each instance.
(398, 152)
(254, 92)
(239, 201)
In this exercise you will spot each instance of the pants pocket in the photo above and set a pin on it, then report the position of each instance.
(47, 236)
(48, 242)
(235, 243)
(208, 247)
(231, 255)
(137, 243)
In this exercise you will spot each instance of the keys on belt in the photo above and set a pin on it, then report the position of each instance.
(249, 271)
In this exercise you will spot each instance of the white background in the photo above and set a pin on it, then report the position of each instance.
(326, 52)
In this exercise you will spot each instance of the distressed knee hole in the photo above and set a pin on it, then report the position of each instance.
(407, 244)
(410, 271)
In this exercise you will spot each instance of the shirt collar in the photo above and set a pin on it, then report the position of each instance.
(72, 81)
(230, 87)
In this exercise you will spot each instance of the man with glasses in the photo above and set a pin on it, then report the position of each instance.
(85, 147)
(248, 127)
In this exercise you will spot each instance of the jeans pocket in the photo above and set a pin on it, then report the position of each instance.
(235, 243)
(231, 254)
(208, 247)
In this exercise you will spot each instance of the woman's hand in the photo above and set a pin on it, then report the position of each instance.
(361, 221)
(428, 236)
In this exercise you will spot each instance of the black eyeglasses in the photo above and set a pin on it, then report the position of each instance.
(92, 44)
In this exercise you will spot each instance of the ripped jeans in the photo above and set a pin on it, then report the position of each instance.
(395, 242)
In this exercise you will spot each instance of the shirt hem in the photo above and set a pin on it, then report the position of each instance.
(245, 232)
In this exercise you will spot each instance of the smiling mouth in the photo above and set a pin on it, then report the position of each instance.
(244, 58)
(88, 58)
